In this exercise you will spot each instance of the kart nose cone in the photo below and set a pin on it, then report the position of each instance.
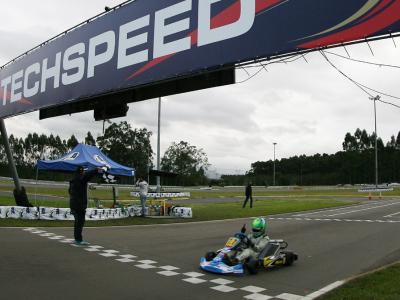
(220, 268)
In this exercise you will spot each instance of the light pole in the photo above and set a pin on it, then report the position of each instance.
(274, 163)
(158, 144)
(377, 98)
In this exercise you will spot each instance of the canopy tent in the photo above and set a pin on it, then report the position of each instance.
(89, 157)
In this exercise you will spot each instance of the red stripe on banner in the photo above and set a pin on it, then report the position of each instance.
(25, 101)
(265, 4)
(378, 8)
(227, 16)
(149, 65)
(386, 18)
(8, 98)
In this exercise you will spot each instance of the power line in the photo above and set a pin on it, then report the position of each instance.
(389, 103)
(252, 76)
(363, 61)
(345, 75)
(361, 86)
(262, 66)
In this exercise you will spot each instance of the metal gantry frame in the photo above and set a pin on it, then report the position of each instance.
(10, 158)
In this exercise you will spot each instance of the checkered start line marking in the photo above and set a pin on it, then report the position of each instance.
(220, 284)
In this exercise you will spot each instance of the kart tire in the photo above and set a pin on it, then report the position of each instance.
(210, 255)
(290, 258)
(252, 266)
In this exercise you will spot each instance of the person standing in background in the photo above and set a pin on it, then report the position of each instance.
(143, 190)
(249, 195)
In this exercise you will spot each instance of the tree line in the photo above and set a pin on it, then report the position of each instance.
(354, 165)
(122, 143)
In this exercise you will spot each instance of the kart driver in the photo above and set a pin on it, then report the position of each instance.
(256, 240)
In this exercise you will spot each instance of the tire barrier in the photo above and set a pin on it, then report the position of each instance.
(92, 214)
(163, 195)
(18, 212)
(181, 212)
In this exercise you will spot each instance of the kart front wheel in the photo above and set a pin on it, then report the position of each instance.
(210, 255)
(252, 266)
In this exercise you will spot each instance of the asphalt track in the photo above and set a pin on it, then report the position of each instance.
(161, 262)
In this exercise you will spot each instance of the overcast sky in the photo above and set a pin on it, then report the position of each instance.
(305, 106)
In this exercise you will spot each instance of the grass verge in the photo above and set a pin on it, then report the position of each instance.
(380, 285)
(201, 212)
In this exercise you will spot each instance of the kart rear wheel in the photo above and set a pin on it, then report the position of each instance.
(210, 255)
(290, 258)
(252, 266)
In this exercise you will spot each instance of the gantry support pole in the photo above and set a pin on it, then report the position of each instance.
(20, 196)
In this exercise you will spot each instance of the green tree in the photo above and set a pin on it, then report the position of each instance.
(391, 143)
(350, 143)
(398, 141)
(187, 161)
(365, 142)
(72, 142)
(127, 146)
(17, 149)
(89, 139)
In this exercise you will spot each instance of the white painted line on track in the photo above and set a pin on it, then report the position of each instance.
(335, 209)
(168, 273)
(222, 281)
(169, 268)
(145, 266)
(67, 241)
(286, 296)
(334, 220)
(324, 290)
(147, 261)
(125, 260)
(107, 254)
(110, 251)
(38, 231)
(391, 215)
(29, 229)
(252, 289)
(364, 209)
(258, 297)
(46, 234)
(128, 256)
(193, 280)
(57, 237)
(193, 274)
(223, 288)
(94, 248)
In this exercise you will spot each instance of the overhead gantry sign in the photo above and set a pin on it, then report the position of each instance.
(144, 43)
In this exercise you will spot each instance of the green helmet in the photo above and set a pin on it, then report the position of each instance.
(259, 226)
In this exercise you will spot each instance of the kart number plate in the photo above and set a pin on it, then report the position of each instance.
(231, 242)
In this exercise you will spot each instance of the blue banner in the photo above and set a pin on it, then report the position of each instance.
(149, 41)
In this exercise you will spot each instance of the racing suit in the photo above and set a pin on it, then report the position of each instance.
(257, 245)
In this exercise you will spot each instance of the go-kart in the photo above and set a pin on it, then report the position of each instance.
(223, 261)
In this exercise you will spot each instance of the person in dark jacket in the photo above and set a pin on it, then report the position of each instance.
(78, 200)
(249, 195)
